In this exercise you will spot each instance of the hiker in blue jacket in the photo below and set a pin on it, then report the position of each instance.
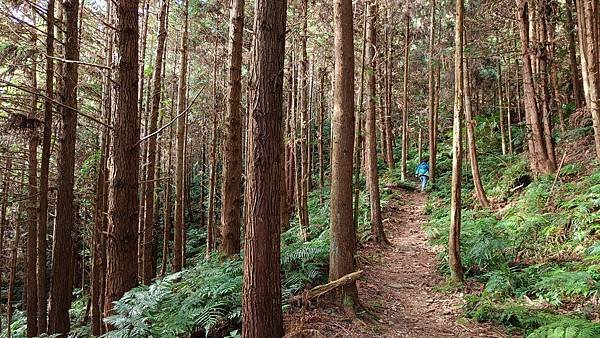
(422, 172)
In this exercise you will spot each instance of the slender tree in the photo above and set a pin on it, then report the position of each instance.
(232, 145)
(358, 122)
(539, 161)
(370, 130)
(60, 297)
(148, 233)
(261, 300)
(304, 123)
(590, 31)
(405, 94)
(32, 221)
(212, 181)
(573, 68)
(456, 270)
(179, 230)
(432, 126)
(42, 229)
(472, 144)
(14, 256)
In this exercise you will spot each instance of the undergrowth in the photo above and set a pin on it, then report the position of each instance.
(206, 298)
(536, 253)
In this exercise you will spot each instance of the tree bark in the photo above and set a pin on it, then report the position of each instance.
(358, 124)
(500, 111)
(60, 297)
(343, 237)
(232, 150)
(42, 229)
(148, 232)
(591, 21)
(210, 230)
(179, 230)
(32, 222)
(472, 144)
(304, 124)
(3, 219)
(377, 231)
(432, 127)
(321, 136)
(574, 69)
(544, 69)
(99, 240)
(405, 96)
(454, 260)
(389, 135)
(539, 160)
(261, 301)
(121, 260)
(12, 274)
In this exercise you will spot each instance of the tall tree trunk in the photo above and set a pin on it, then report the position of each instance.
(3, 219)
(509, 109)
(456, 271)
(432, 127)
(32, 222)
(358, 123)
(405, 96)
(500, 110)
(574, 70)
(12, 273)
(389, 135)
(593, 64)
(232, 150)
(291, 144)
(371, 132)
(148, 231)
(167, 206)
(261, 301)
(210, 231)
(61, 257)
(42, 229)
(343, 237)
(321, 136)
(121, 245)
(100, 221)
(144, 36)
(583, 57)
(304, 124)
(472, 144)
(544, 69)
(537, 147)
(179, 230)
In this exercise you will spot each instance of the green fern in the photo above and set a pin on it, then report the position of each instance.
(568, 328)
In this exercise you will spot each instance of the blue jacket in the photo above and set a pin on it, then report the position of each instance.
(422, 169)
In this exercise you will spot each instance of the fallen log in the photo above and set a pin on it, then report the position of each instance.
(323, 289)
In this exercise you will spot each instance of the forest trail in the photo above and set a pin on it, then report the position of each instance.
(399, 289)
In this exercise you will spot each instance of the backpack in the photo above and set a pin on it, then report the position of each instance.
(423, 169)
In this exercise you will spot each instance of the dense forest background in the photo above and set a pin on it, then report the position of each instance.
(190, 167)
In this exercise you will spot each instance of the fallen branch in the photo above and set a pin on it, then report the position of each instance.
(323, 289)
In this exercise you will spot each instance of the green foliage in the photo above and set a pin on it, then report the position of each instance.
(539, 250)
(193, 300)
(208, 296)
(567, 328)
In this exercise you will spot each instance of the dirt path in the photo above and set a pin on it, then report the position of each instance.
(398, 289)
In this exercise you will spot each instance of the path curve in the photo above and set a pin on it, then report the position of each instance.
(398, 289)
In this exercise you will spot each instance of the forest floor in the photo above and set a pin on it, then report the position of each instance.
(401, 292)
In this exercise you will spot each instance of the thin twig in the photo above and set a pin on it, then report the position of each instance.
(556, 178)
(78, 62)
(170, 123)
